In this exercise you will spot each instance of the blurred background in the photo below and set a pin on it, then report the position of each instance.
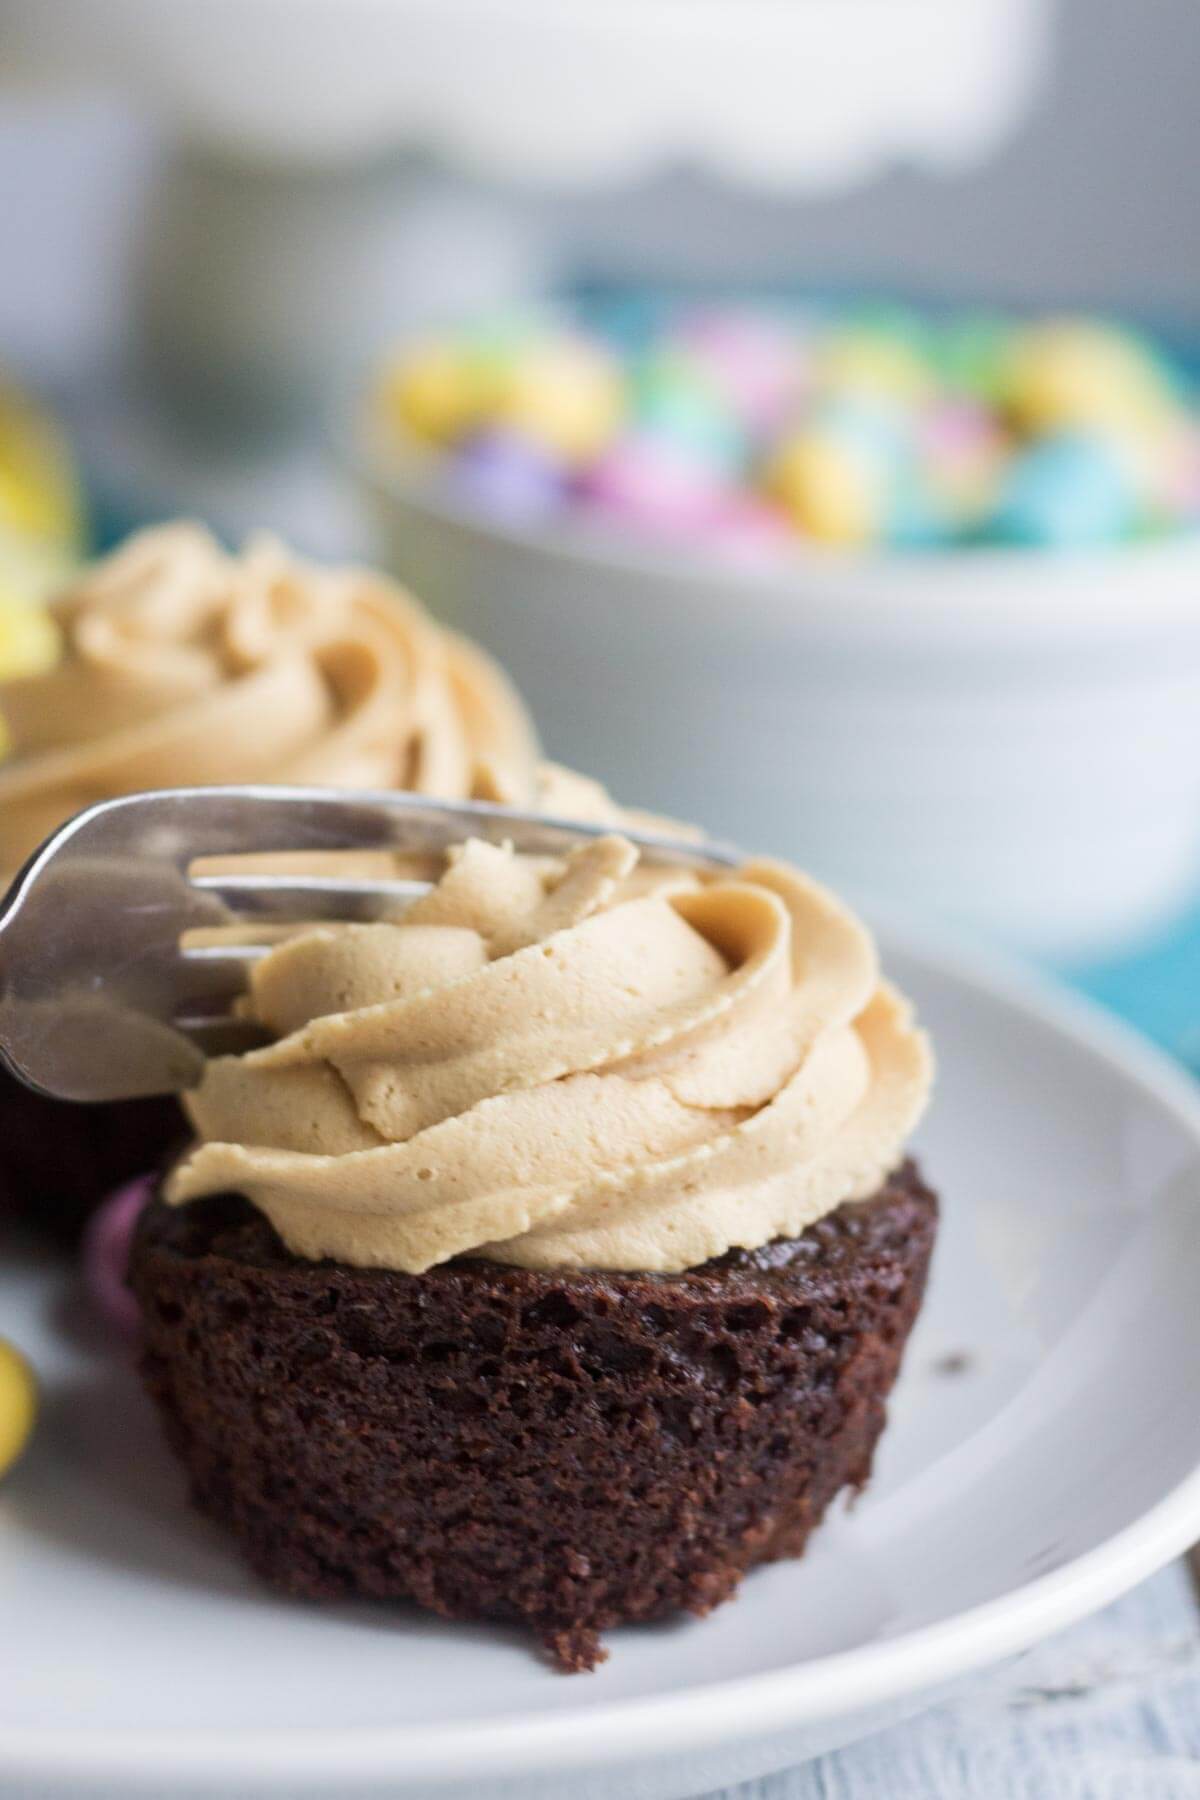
(1079, 184)
(222, 219)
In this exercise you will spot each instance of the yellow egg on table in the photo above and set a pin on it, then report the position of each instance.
(438, 391)
(1076, 374)
(568, 398)
(825, 488)
(18, 1404)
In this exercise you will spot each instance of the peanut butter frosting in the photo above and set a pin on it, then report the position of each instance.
(185, 665)
(565, 1063)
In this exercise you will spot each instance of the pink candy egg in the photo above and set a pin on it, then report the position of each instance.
(106, 1245)
(650, 483)
(1176, 488)
(955, 427)
(753, 360)
(961, 453)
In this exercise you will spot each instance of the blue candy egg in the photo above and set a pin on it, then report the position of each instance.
(1069, 491)
(915, 520)
(675, 401)
(874, 430)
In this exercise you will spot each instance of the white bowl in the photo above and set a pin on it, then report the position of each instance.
(1007, 737)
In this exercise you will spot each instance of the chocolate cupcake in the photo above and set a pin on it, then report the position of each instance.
(554, 1261)
(183, 665)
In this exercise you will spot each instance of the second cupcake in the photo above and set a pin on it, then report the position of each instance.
(183, 665)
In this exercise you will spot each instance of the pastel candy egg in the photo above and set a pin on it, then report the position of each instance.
(18, 1404)
(507, 477)
(953, 430)
(28, 636)
(40, 500)
(106, 1245)
(1178, 490)
(566, 395)
(1071, 374)
(437, 391)
(875, 427)
(514, 331)
(828, 491)
(960, 453)
(835, 475)
(872, 362)
(1161, 466)
(1067, 492)
(677, 401)
(650, 483)
(919, 518)
(753, 360)
(973, 355)
(31, 570)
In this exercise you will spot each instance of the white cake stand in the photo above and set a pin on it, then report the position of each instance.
(324, 188)
(794, 92)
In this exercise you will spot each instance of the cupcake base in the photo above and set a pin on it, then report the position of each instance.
(58, 1160)
(571, 1451)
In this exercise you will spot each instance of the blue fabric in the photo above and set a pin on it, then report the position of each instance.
(1156, 988)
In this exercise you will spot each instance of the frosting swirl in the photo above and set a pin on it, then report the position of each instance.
(565, 1063)
(185, 665)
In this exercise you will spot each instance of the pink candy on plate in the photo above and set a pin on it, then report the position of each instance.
(106, 1245)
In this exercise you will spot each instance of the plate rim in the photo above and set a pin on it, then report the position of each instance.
(772, 1701)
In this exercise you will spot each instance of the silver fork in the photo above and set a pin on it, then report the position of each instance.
(100, 999)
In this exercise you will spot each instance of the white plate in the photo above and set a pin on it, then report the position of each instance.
(1054, 1469)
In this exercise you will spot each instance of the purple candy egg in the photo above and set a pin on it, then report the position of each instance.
(106, 1246)
(655, 485)
(507, 477)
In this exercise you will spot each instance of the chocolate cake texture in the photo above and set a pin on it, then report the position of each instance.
(568, 1450)
(58, 1160)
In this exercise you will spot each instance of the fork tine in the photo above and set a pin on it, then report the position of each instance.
(223, 1034)
(217, 955)
(102, 997)
(299, 897)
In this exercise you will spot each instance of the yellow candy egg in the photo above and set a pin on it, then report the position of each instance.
(439, 392)
(18, 1404)
(29, 637)
(826, 490)
(567, 397)
(39, 493)
(874, 363)
(1074, 374)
